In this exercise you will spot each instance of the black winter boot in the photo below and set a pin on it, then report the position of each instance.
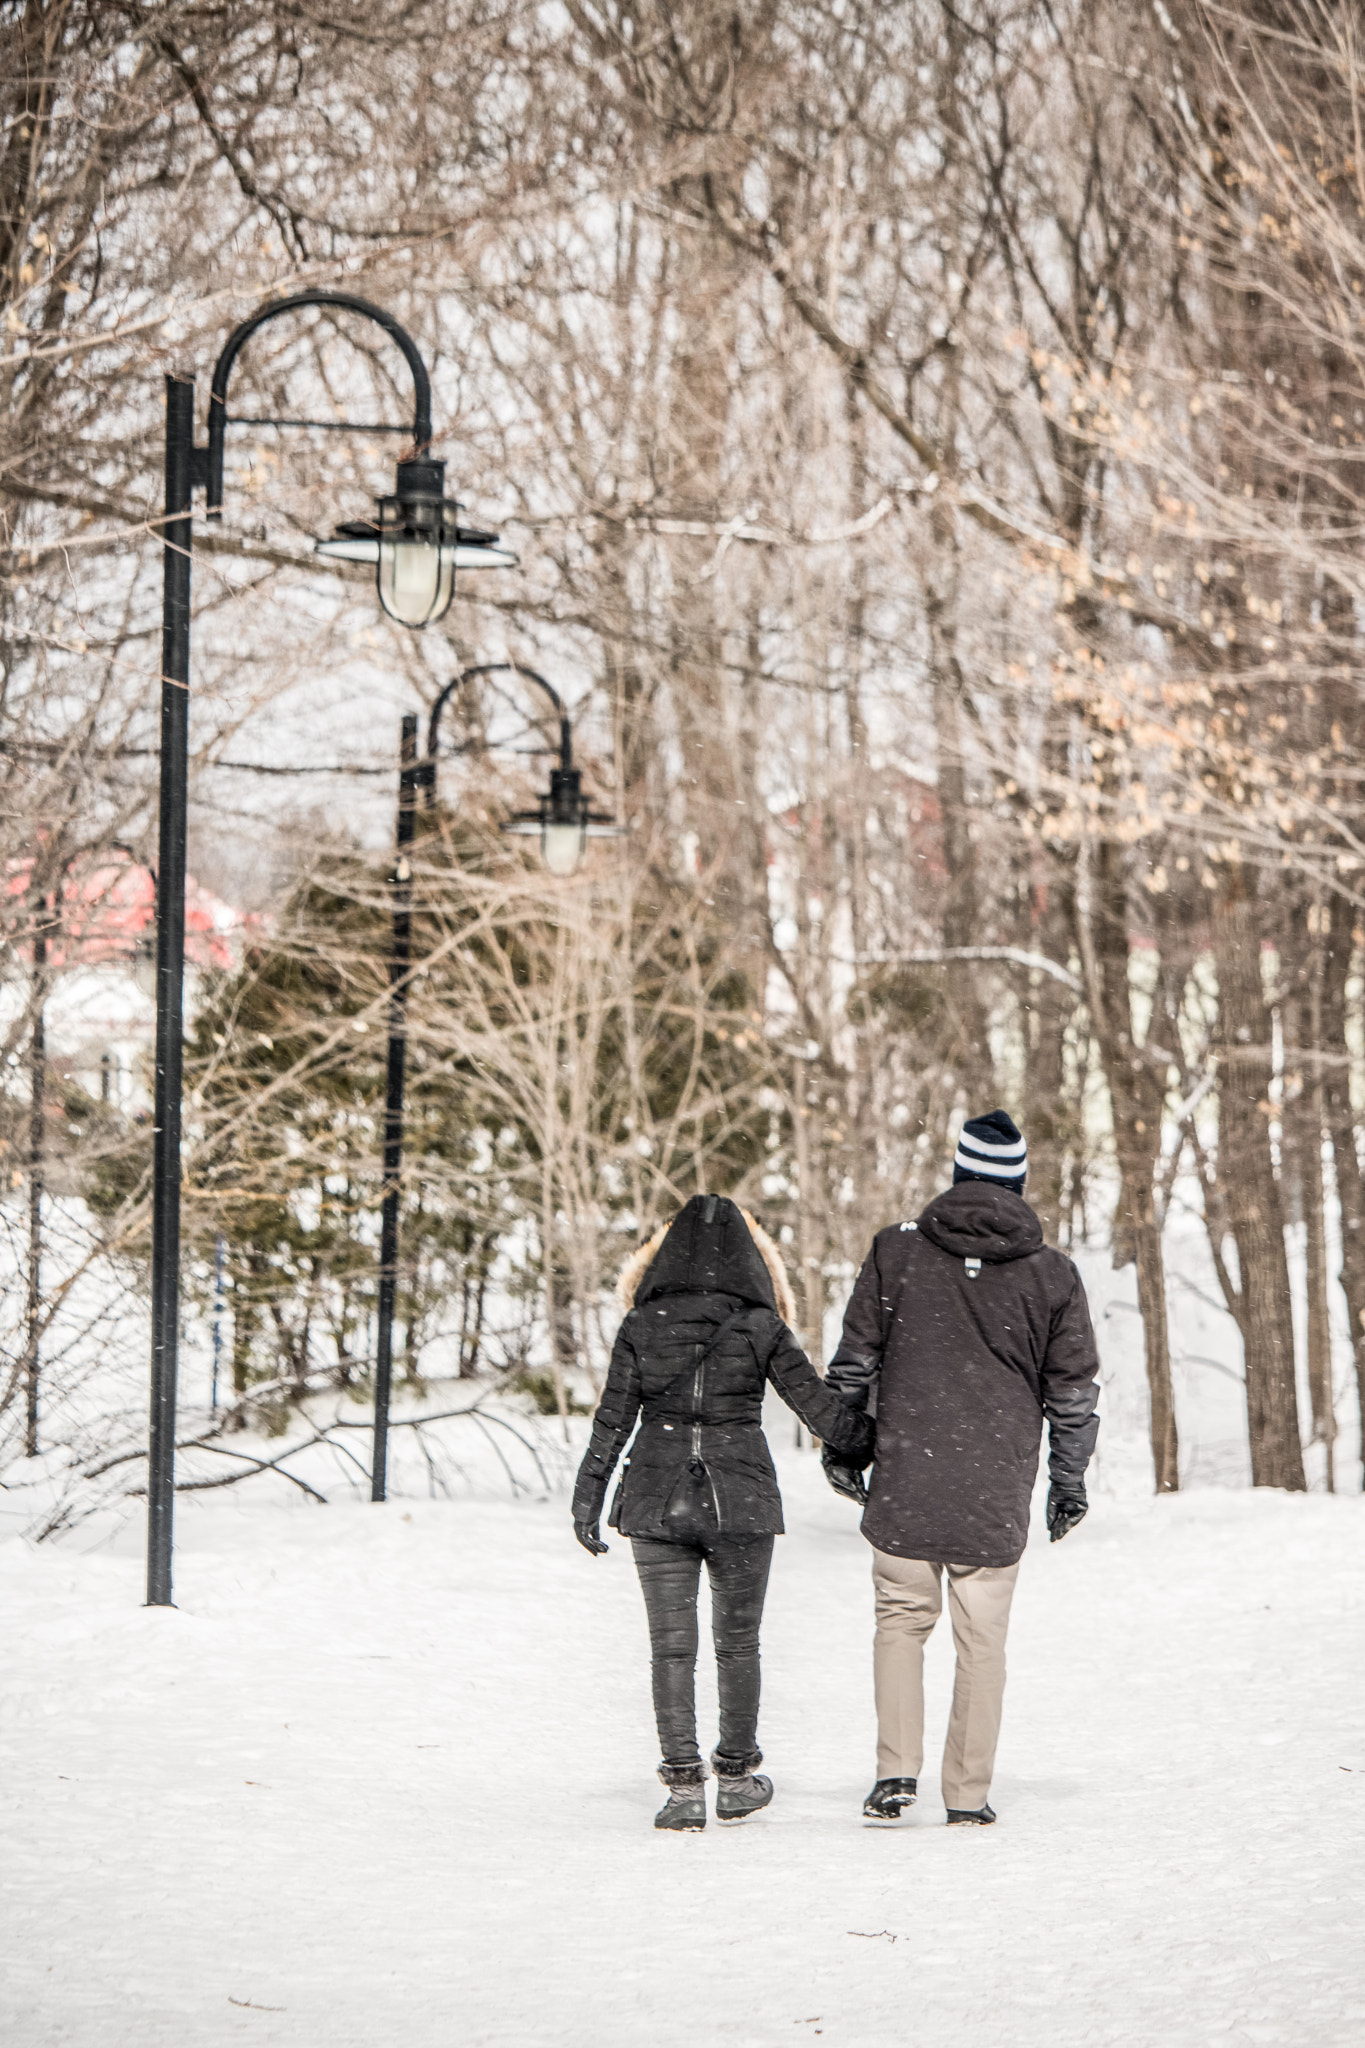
(685, 1809)
(889, 1798)
(740, 1790)
(970, 1816)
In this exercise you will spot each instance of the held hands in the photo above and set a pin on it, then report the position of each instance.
(843, 1477)
(1066, 1505)
(586, 1532)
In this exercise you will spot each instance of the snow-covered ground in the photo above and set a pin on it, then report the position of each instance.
(384, 1777)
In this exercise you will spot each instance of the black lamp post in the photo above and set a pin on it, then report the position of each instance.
(564, 822)
(416, 545)
(400, 961)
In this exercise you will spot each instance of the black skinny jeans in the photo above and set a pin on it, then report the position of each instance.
(670, 1577)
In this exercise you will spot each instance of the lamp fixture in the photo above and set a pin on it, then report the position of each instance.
(416, 544)
(564, 822)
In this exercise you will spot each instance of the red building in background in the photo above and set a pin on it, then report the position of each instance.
(101, 951)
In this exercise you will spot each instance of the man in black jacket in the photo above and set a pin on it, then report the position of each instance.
(965, 1331)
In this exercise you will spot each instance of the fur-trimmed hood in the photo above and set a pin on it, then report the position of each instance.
(711, 1246)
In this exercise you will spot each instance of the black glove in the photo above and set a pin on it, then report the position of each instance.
(586, 1532)
(843, 1477)
(1066, 1505)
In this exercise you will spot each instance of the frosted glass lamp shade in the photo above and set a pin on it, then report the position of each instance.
(416, 578)
(561, 846)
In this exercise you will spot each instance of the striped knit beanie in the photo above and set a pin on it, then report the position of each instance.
(992, 1149)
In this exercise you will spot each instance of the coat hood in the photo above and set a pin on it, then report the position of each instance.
(712, 1246)
(975, 1221)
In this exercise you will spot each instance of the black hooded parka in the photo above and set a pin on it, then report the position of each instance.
(703, 1409)
(970, 1331)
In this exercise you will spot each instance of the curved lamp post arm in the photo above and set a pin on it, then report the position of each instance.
(467, 675)
(220, 418)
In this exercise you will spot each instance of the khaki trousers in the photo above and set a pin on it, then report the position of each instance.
(909, 1602)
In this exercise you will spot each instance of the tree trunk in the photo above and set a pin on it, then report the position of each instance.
(559, 1317)
(961, 923)
(1056, 1135)
(1303, 1126)
(812, 1274)
(1341, 1129)
(1151, 1281)
(37, 1118)
(961, 919)
(1319, 1330)
(1247, 1175)
(1137, 1091)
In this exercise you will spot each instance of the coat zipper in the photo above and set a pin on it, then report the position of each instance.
(696, 1435)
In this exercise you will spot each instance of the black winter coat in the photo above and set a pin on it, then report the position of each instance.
(970, 1330)
(703, 1412)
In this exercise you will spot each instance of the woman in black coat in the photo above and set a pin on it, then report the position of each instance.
(708, 1308)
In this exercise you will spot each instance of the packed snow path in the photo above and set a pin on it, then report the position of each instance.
(385, 1778)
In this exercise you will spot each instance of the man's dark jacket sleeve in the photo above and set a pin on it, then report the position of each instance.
(612, 1425)
(1070, 1389)
(854, 1369)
